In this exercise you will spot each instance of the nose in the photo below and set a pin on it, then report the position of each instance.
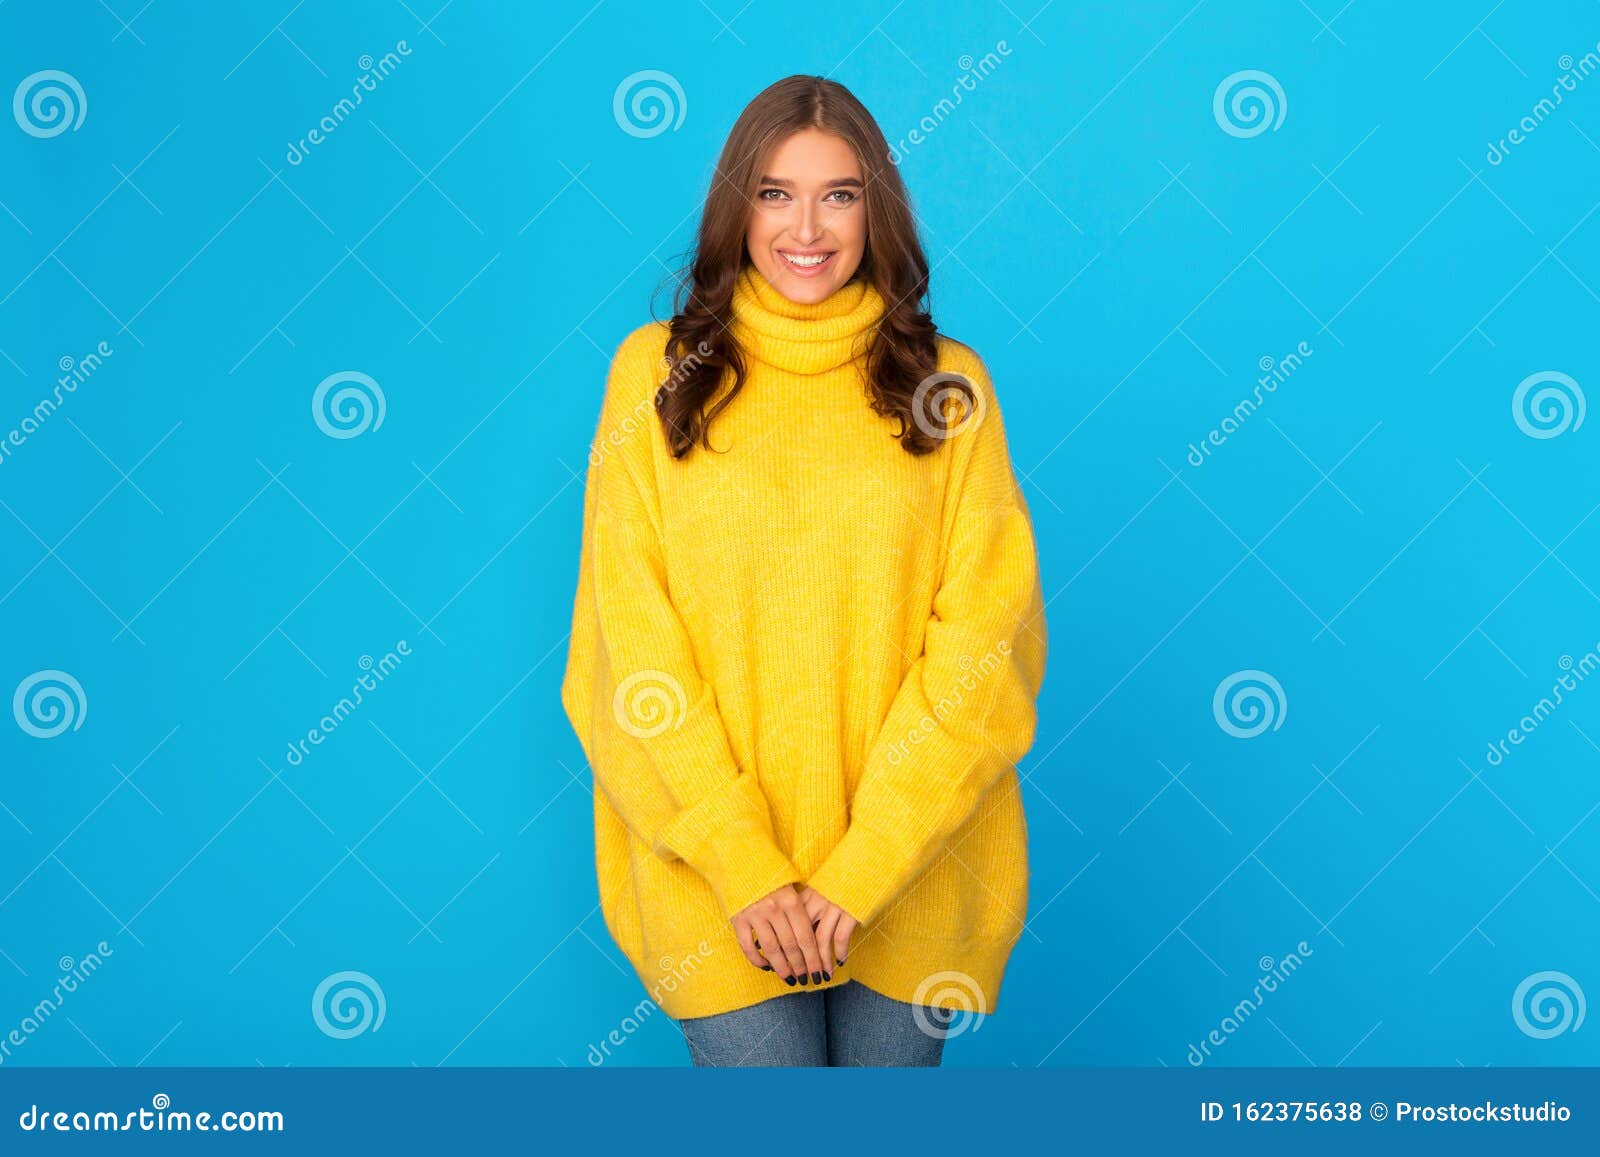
(808, 228)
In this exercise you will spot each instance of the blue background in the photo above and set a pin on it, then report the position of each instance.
(1381, 536)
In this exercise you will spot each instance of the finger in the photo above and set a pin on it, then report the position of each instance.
(827, 929)
(764, 934)
(806, 941)
(746, 938)
(789, 941)
(841, 935)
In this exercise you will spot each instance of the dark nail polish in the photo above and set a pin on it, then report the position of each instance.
(789, 980)
(804, 979)
(817, 976)
(840, 963)
(827, 976)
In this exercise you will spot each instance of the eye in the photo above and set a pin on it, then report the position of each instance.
(762, 195)
(846, 195)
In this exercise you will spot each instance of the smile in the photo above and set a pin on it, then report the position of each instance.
(806, 264)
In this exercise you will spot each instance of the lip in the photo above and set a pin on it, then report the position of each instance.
(809, 270)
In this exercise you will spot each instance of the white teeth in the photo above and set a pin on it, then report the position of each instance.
(797, 260)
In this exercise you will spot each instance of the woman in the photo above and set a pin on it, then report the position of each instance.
(804, 662)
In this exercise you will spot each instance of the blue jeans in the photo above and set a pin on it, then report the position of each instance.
(847, 1024)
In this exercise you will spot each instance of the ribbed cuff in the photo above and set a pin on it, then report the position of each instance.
(727, 838)
(862, 874)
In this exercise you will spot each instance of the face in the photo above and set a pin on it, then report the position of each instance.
(808, 229)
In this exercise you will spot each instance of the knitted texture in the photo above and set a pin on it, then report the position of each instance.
(809, 657)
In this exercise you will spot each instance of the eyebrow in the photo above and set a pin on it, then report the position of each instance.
(837, 183)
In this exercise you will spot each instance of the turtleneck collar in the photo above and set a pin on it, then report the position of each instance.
(803, 337)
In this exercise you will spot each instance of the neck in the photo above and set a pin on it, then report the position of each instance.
(804, 337)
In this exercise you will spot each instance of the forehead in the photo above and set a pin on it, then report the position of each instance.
(812, 156)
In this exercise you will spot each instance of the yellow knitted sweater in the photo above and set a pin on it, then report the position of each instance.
(810, 658)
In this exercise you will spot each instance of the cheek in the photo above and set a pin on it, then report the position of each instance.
(853, 230)
(762, 229)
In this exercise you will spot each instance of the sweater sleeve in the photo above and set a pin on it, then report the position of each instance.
(966, 708)
(649, 722)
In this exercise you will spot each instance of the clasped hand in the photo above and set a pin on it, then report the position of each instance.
(795, 932)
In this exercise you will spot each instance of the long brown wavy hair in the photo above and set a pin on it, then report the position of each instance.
(903, 352)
